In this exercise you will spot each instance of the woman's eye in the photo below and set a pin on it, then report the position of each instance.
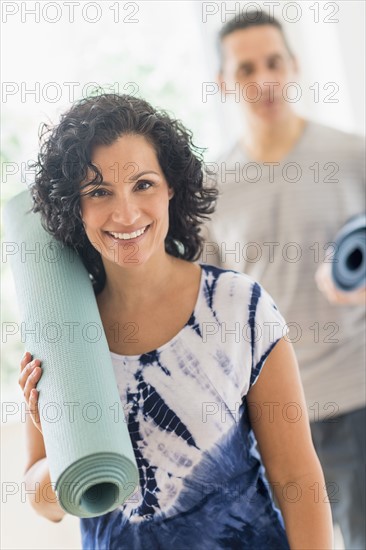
(142, 185)
(98, 193)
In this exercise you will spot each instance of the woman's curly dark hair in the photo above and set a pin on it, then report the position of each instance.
(64, 161)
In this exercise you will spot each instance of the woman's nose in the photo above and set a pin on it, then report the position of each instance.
(125, 212)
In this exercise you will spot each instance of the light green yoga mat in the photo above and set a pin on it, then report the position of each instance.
(88, 446)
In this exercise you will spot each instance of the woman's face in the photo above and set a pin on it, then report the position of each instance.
(127, 217)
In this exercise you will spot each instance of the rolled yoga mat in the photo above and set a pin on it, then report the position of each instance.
(89, 451)
(349, 259)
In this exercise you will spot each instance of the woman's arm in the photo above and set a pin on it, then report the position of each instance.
(36, 475)
(43, 498)
(279, 417)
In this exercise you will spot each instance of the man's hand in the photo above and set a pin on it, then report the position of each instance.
(325, 284)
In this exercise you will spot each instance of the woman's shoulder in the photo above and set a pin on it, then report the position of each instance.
(236, 281)
(235, 289)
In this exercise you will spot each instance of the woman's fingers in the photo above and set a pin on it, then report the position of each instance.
(30, 374)
(33, 408)
(25, 373)
(25, 359)
(33, 378)
(24, 364)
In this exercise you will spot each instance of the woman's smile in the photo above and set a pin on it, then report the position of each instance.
(124, 237)
(130, 206)
(128, 234)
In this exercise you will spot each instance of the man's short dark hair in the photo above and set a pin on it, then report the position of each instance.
(253, 18)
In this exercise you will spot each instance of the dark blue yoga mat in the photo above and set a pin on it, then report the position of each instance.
(349, 265)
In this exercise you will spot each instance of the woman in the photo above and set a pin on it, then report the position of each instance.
(122, 183)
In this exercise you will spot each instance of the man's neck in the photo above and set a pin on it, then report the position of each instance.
(265, 142)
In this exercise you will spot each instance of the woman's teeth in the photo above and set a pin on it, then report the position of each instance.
(126, 236)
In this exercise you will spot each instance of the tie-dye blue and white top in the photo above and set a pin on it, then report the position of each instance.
(202, 485)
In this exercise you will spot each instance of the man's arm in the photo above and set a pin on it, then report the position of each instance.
(325, 284)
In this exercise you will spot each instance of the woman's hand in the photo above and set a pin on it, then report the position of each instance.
(30, 374)
(325, 284)
(37, 479)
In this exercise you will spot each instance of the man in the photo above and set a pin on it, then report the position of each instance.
(287, 187)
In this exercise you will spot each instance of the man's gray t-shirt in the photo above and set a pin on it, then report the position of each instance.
(275, 222)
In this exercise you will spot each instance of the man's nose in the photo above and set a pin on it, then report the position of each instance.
(266, 81)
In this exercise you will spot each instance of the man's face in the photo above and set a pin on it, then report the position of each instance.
(256, 61)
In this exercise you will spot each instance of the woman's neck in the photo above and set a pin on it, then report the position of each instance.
(137, 286)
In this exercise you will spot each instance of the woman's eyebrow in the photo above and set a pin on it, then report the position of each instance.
(135, 177)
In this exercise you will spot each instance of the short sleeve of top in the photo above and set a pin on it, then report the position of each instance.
(240, 322)
(269, 327)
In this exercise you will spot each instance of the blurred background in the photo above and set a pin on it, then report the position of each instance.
(56, 52)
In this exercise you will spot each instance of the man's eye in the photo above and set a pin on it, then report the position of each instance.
(244, 71)
(274, 64)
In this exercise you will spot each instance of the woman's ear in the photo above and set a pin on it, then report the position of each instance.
(170, 193)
